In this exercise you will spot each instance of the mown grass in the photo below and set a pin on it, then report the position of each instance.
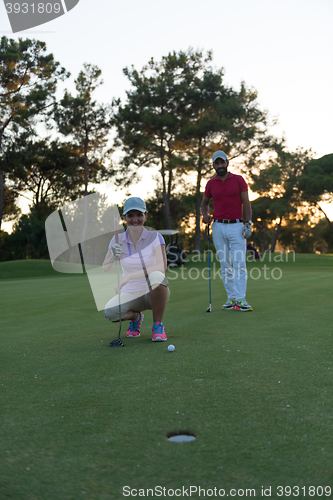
(82, 420)
(27, 269)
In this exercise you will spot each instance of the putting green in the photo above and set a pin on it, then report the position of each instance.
(82, 420)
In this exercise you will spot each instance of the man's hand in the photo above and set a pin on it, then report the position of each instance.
(247, 230)
(115, 252)
(207, 219)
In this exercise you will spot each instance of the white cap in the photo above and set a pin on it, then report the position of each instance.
(134, 203)
(219, 154)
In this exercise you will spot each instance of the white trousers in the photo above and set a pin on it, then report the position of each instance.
(230, 246)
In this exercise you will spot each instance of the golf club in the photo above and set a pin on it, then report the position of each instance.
(117, 342)
(209, 309)
(145, 271)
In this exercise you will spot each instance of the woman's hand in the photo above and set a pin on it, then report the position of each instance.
(115, 252)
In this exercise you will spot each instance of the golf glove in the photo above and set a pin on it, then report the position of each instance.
(247, 230)
(115, 252)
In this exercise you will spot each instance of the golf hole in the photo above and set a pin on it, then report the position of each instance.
(181, 436)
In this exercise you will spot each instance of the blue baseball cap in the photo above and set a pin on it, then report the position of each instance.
(134, 203)
(219, 154)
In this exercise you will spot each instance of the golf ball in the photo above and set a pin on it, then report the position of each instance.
(171, 348)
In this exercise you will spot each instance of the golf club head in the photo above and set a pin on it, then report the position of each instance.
(116, 343)
(209, 309)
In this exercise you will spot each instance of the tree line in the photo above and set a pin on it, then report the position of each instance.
(177, 112)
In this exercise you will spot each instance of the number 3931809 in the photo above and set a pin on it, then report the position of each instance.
(33, 8)
(311, 491)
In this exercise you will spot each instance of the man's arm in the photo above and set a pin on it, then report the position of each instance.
(207, 219)
(247, 210)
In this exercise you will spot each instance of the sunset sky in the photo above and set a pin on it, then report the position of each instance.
(281, 48)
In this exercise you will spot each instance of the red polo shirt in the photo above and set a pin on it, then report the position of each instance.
(226, 196)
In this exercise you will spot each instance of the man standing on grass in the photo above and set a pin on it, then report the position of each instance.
(231, 207)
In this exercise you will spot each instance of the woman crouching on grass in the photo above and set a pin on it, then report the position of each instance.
(143, 285)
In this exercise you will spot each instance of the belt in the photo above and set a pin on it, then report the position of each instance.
(228, 221)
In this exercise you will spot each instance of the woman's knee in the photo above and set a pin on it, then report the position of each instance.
(112, 313)
(157, 278)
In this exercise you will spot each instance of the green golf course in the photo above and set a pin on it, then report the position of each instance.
(80, 419)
